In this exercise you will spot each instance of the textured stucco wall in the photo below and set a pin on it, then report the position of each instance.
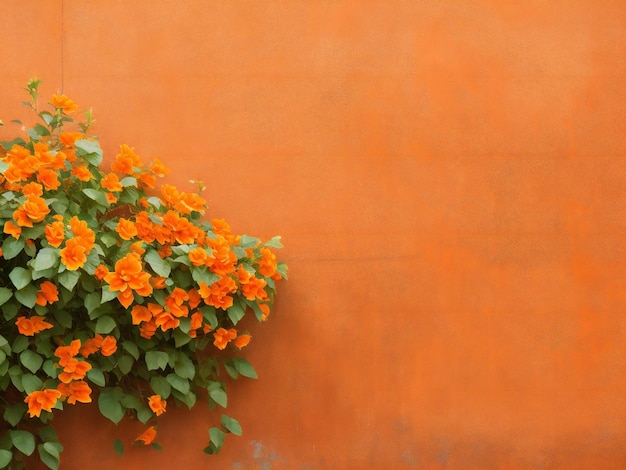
(448, 177)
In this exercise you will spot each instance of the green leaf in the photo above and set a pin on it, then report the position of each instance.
(89, 150)
(110, 406)
(281, 269)
(14, 413)
(68, 279)
(158, 265)
(125, 364)
(31, 383)
(96, 195)
(12, 247)
(107, 295)
(5, 457)
(128, 181)
(118, 446)
(49, 367)
(9, 311)
(41, 130)
(274, 242)
(92, 302)
(219, 396)
(201, 274)
(131, 348)
(23, 441)
(27, 296)
(217, 438)
(48, 434)
(236, 312)
(20, 277)
(184, 367)
(230, 369)
(178, 383)
(232, 425)
(244, 368)
(9, 145)
(160, 386)
(4, 345)
(188, 399)
(180, 338)
(31, 360)
(49, 455)
(105, 324)
(144, 414)
(5, 294)
(96, 377)
(157, 360)
(247, 241)
(20, 343)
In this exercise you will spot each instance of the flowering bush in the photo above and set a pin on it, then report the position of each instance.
(113, 289)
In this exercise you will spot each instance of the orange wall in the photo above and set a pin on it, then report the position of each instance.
(448, 177)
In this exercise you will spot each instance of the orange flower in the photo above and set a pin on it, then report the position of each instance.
(41, 400)
(65, 353)
(148, 329)
(108, 346)
(196, 320)
(267, 265)
(190, 202)
(216, 294)
(145, 227)
(126, 297)
(198, 256)
(111, 198)
(223, 337)
(254, 289)
(127, 277)
(75, 391)
(82, 173)
(194, 298)
(138, 248)
(170, 194)
(64, 103)
(126, 161)
(101, 272)
(111, 182)
(91, 346)
(126, 229)
(73, 255)
(266, 311)
(159, 282)
(68, 139)
(32, 188)
(31, 326)
(148, 179)
(35, 209)
(49, 178)
(11, 229)
(47, 294)
(242, 341)
(157, 404)
(181, 229)
(165, 251)
(74, 370)
(166, 321)
(140, 313)
(84, 235)
(158, 168)
(147, 437)
(55, 233)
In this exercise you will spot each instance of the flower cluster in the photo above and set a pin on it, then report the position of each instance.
(113, 288)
